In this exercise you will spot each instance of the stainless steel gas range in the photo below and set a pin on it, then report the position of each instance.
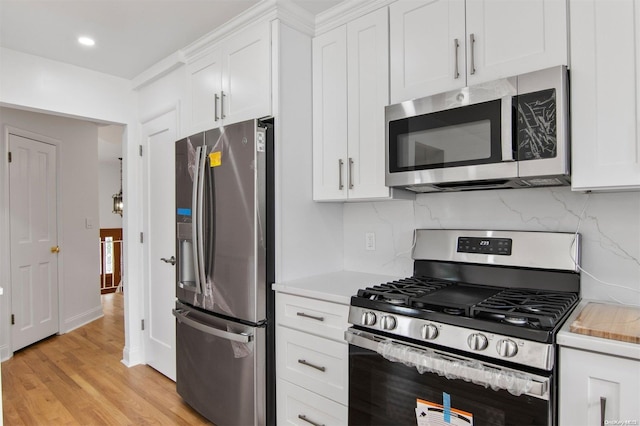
(470, 338)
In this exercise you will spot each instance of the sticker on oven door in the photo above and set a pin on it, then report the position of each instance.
(432, 414)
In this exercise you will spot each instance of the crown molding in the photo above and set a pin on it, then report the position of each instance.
(158, 70)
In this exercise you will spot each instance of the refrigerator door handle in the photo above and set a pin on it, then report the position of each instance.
(194, 209)
(181, 316)
(200, 224)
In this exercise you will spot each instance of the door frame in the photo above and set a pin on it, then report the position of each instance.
(6, 351)
(144, 172)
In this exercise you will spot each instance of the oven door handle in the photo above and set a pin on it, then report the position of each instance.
(453, 366)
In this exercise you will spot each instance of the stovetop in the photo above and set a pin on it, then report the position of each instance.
(527, 308)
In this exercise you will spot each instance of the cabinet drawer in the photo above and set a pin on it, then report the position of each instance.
(315, 363)
(325, 319)
(296, 404)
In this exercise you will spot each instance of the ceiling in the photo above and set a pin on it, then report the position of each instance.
(130, 35)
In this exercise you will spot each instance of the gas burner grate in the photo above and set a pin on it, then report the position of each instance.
(401, 291)
(530, 308)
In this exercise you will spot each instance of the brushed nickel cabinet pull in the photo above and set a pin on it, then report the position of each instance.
(303, 417)
(215, 107)
(350, 173)
(603, 407)
(472, 41)
(340, 166)
(456, 47)
(302, 314)
(308, 364)
(222, 104)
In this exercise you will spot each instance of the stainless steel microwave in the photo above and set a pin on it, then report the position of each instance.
(509, 133)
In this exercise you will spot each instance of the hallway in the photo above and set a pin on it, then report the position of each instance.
(77, 378)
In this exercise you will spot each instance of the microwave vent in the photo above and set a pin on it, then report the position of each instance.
(544, 182)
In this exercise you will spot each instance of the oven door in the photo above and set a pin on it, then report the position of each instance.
(386, 387)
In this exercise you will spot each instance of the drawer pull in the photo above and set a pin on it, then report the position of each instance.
(303, 362)
(303, 417)
(302, 314)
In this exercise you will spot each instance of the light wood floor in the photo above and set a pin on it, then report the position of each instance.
(78, 379)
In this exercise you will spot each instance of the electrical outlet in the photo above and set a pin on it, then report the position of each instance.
(370, 241)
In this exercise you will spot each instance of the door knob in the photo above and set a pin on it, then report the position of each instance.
(55, 249)
(171, 260)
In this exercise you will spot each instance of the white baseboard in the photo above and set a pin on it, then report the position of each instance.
(5, 353)
(132, 356)
(84, 318)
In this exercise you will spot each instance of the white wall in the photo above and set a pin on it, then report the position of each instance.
(109, 150)
(308, 234)
(79, 288)
(609, 225)
(38, 84)
(109, 184)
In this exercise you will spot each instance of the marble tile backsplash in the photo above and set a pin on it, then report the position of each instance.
(609, 224)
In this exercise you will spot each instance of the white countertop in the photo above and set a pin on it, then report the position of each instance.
(335, 287)
(569, 339)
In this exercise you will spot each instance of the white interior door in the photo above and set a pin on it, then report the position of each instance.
(159, 136)
(34, 240)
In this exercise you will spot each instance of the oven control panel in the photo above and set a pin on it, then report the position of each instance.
(500, 246)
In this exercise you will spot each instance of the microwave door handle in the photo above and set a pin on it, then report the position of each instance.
(509, 135)
(194, 208)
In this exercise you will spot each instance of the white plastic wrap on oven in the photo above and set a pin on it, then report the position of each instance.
(469, 370)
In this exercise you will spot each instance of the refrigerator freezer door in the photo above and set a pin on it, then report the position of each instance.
(220, 367)
(188, 155)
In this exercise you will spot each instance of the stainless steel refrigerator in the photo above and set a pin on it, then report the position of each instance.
(224, 312)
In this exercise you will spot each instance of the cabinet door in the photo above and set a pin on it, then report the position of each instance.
(203, 85)
(424, 57)
(514, 37)
(246, 76)
(586, 377)
(368, 94)
(330, 115)
(604, 94)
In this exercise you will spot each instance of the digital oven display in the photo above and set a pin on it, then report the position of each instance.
(499, 246)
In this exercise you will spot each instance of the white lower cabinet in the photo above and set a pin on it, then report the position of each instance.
(312, 361)
(598, 389)
(298, 406)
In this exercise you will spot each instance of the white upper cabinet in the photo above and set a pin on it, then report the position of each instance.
(444, 45)
(605, 86)
(350, 91)
(330, 115)
(232, 81)
(427, 48)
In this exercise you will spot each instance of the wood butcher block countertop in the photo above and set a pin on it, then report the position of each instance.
(608, 321)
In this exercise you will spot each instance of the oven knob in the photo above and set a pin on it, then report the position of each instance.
(507, 348)
(388, 322)
(429, 331)
(368, 318)
(477, 342)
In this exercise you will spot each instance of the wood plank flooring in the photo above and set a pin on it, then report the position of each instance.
(78, 379)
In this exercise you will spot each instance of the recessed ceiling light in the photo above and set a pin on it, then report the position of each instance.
(86, 41)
